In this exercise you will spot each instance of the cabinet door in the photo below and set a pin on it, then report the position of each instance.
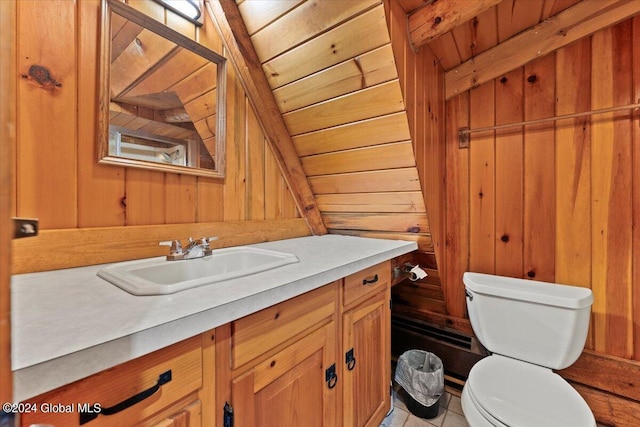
(126, 394)
(190, 416)
(366, 362)
(291, 388)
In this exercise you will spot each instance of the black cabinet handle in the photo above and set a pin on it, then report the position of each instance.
(164, 378)
(368, 282)
(350, 360)
(331, 377)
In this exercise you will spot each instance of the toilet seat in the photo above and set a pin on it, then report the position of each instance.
(511, 393)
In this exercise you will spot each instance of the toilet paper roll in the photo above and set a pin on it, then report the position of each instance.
(417, 273)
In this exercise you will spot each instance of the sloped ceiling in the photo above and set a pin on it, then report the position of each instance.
(490, 27)
(334, 77)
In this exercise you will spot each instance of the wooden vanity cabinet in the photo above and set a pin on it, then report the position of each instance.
(186, 415)
(366, 346)
(282, 366)
(291, 387)
(320, 359)
(159, 389)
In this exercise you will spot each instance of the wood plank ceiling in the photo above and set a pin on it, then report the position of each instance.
(490, 28)
(344, 109)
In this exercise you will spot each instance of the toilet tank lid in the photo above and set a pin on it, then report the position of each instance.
(572, 297)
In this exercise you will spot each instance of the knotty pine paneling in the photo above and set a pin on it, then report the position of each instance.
(421, 80)
(458, 196)
(571, 243)
(369, 182)
(482, 185)
(8, 82)
(58, 179)
(303, 23)
(572, 197)
(509, 168)
(374, 131)
(47, 123)
(575, 178)
(611, 167)
(539, 159)
(495, 25)
(635, 267)
(358, 35)
(334, 77)
(368, 69)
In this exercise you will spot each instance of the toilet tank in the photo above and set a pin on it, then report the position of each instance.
(541, 323)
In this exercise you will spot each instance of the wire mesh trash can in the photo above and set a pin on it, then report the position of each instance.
(421, 375)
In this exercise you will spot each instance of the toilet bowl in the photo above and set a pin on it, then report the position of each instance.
(531, 328)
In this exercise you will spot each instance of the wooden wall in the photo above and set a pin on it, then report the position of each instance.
(421, 78)
(58, 179)
(7, 142)
(344, 108)
(558, 202)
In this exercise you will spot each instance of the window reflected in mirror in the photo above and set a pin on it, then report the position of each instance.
(165, 97)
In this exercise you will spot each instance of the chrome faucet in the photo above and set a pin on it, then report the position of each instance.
(194, 249)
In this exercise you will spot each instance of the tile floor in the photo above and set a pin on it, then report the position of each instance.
(449, 415)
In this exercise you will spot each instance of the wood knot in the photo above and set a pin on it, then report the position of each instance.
(41, 76)
(505, 238)
(437, 21)
(503, 80)
(531, 274)
(532, 78)
(273, 363)
(413, 230)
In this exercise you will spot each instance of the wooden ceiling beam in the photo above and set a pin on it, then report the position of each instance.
(242, 53)
(432, 20)
(574, 23)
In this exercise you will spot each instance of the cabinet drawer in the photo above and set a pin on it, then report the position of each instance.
(258, 333)
(165, 375)
(366, 282)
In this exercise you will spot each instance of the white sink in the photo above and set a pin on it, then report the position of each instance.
(157, 276)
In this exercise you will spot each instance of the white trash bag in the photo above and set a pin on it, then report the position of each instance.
(421, 375)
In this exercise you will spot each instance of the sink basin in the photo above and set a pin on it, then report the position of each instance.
(157, 276)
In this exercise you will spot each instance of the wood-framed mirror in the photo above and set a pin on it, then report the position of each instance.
(162, 97)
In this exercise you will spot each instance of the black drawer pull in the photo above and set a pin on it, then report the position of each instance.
(164, 378)
(368, 282)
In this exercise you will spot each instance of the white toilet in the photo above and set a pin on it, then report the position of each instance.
(530, 328)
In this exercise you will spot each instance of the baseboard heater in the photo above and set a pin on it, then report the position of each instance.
(459, 352)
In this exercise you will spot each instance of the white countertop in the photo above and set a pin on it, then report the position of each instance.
(69, 324)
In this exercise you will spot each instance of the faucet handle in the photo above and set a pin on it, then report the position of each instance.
(176, 246)
(205, 245)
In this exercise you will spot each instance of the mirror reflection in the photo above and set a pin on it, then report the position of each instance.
(165, 97)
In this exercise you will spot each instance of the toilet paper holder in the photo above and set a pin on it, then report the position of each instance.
(412, 272)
